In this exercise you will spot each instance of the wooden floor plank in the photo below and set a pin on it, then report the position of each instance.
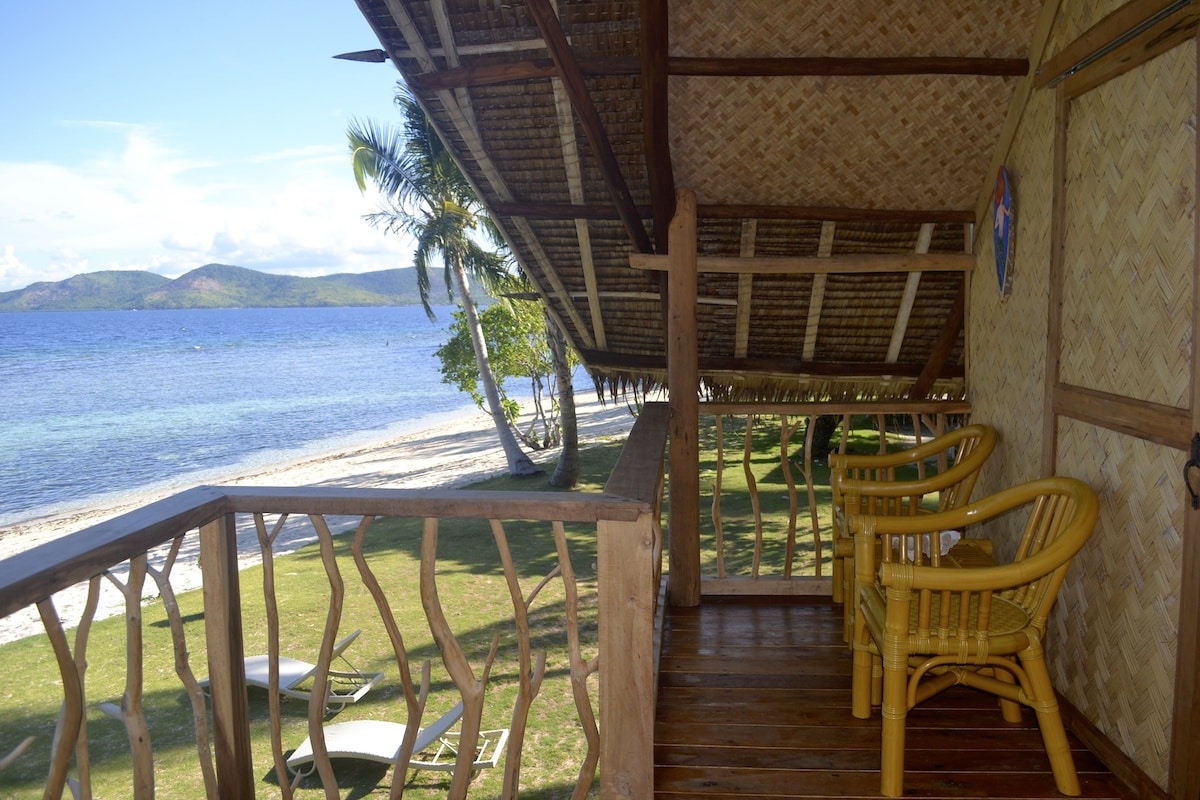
(754, 704)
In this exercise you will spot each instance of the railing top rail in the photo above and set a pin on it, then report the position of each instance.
(841, 407)
(440, 503)
(52, 566)
(639, 469)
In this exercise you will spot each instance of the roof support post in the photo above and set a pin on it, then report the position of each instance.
(683, 381)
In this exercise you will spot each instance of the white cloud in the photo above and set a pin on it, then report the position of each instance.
(143, 205)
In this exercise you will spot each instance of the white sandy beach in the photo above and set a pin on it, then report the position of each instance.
(458, 452)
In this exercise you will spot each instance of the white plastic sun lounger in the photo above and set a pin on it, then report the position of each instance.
(435, 747)
(346, 685)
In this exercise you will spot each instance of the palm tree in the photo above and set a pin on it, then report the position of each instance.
(427, 197)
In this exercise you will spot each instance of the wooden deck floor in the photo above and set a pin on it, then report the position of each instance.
(754, 703)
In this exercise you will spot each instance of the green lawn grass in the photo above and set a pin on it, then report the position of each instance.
(477, 606)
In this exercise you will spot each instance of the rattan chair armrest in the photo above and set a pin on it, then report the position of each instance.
(929, 449)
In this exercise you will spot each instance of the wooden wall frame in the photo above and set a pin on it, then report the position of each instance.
(1145, 29)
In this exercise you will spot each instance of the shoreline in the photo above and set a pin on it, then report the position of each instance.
(450, 454)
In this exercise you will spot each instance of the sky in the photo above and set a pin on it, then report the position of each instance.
(163, 136)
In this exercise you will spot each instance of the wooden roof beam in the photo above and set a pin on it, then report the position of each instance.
(589, 119)
(609, 360)
(656, 130)
(816, 265)
(662, 66)
(834, 213)
(520, 71)
(831, 66)
(914, 216)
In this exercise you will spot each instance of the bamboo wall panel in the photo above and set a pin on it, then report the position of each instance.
(1007, 339)
(1119, 605)
(1127, 287)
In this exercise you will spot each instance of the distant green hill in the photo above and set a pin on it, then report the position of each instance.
(219, 286)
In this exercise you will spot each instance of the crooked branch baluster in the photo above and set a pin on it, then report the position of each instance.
(785, 435)
(162, 579)
(469, 687)
(581, 669)
(266, 542)
(414, 698)
(718, 527)
(530, 675)
(318, 700)
(752, 488)
(70, 716)
(131, 713)
(810, 428)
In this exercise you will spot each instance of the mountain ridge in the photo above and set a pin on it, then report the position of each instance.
(218, 286)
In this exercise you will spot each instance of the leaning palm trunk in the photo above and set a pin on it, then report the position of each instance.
(519, 464)
(566, 474)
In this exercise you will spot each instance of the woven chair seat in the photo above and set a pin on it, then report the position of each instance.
(928, 635)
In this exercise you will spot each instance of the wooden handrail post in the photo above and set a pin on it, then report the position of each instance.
(226, 665)
(625, 558)
(683, 587)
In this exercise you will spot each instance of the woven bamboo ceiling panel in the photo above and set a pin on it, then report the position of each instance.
(837, 152)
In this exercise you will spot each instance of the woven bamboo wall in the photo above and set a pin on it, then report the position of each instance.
(1132, 156)
(1112, 638)
(1126, 330)
(1008, 340)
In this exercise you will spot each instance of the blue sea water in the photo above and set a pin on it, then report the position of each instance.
(99, 404)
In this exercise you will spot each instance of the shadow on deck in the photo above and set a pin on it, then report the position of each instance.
(754, 703)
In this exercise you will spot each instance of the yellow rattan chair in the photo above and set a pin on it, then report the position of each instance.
(926, 628)
(863, 484)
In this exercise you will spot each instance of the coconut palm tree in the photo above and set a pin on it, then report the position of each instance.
(426, 196)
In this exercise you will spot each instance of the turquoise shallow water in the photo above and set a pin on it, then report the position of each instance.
(94, 405)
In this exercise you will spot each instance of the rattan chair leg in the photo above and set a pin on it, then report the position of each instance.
(1010, 710)
(839, 590)
(860, 684)
(895, 712)
(1054, 735)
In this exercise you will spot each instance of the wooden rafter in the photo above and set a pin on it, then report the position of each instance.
(589, 120)
(656, 131)
(566, 132)
(745, 298)
(811, 265)
(936, 367)
(828, 66)
(563, 211)
(833, 213)
(816, 298)
(909, 297)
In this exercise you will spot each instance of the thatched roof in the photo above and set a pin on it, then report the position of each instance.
(854, 139)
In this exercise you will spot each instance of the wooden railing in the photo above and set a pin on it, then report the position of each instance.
(151, 542)
(777, 541)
